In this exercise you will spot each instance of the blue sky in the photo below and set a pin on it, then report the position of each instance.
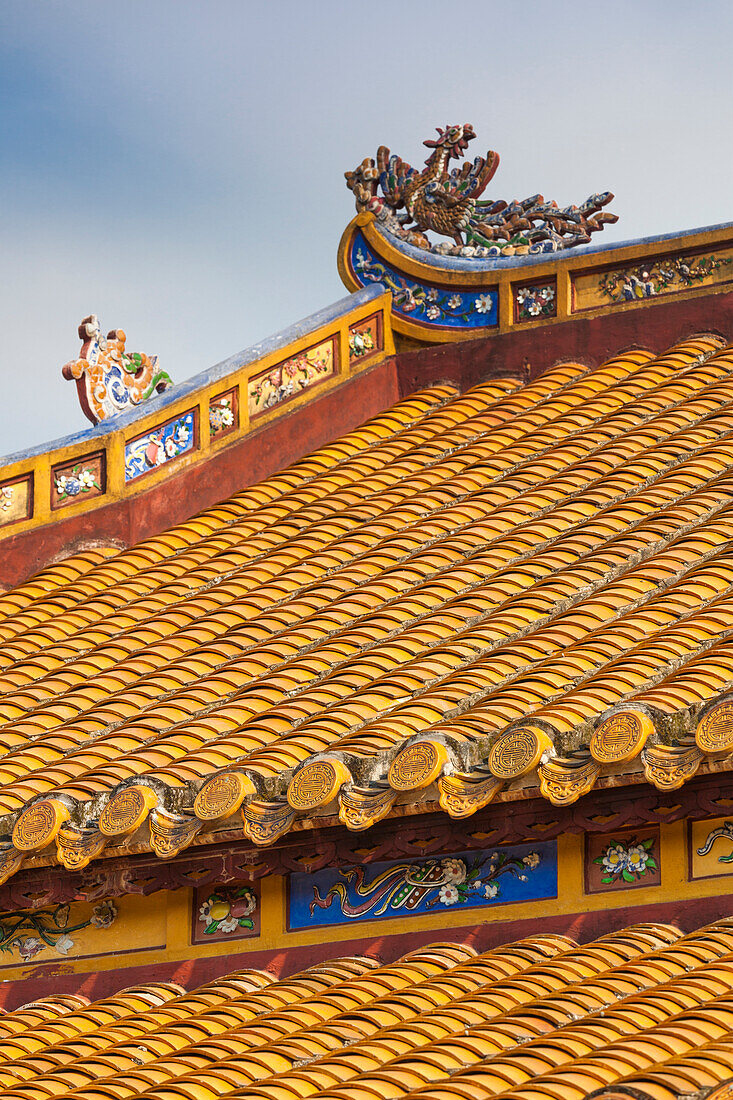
(177, 167)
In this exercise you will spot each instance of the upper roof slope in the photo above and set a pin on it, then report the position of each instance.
(539, 1019)
(468, 588)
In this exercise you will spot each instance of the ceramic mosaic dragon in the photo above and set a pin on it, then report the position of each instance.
(446, 201)
(109, 379)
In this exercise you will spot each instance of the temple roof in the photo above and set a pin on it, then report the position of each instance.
(470, 597)
(643, 1012)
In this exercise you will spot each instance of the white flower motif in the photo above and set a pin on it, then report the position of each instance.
(448, 895)
(454, 870)
(548, 293)
(229, 925)
(636, 859)
(205, 912)
(6, 497)
(64, 944)
(534, 307)
(491, 890)
(524, 294)
(61, 485)
(454, 301)
(532, 859)
(227, 417)
(484, 303)
(614, 859)
(432, 313)
(86, 477)
(432, 294)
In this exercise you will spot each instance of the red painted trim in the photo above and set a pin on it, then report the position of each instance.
(258, 455)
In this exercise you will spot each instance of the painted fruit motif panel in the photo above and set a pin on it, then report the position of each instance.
(286, 380)
(470, 880)
(160, 445)
(81, 479)
(365, 339)
(620, 861)
(230, 912)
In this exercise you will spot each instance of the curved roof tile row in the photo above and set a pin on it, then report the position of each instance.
(467, 591)
(538, 1017)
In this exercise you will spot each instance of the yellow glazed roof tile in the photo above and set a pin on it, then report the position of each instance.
(412, 597)
(641, 1007)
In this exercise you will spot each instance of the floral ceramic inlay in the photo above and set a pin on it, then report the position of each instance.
(287, 379)
(77, 481)
(535, 301)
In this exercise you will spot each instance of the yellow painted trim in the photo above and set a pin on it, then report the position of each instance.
(559, 266)
(274, 936)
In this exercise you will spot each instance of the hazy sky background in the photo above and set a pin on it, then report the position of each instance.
(177, 167)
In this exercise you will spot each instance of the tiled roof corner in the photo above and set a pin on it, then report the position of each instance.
(520, 587)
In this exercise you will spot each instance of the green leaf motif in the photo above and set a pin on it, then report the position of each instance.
(607, 878)
(627, 876)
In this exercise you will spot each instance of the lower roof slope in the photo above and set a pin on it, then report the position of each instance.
(470, 590)
(540, 1019)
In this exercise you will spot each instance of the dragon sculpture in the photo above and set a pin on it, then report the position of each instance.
(446, 201)
(109, 379)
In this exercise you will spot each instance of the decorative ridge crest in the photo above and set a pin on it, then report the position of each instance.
(109, 379)
(446, 201)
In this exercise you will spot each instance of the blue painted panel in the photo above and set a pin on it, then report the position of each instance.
(464, 880)
(432, 306)
(159, 446)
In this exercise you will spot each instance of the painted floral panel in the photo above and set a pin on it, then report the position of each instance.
(620, 861)
(365, 338)
(81, 479)
(16, 499)
(230, 912)
(160, 445)
(223, 414)
(523, 872)
(52, 931)
(286, 380)
(535, 302)
(420, 302)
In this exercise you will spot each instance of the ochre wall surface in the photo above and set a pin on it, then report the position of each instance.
(163, 936)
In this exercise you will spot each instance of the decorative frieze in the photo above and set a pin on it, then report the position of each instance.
(523, 872)
(160, 445)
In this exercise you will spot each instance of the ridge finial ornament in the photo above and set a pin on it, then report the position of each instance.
(110, 380)
(446, 201)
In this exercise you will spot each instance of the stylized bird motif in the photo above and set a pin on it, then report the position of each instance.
(447, 201)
